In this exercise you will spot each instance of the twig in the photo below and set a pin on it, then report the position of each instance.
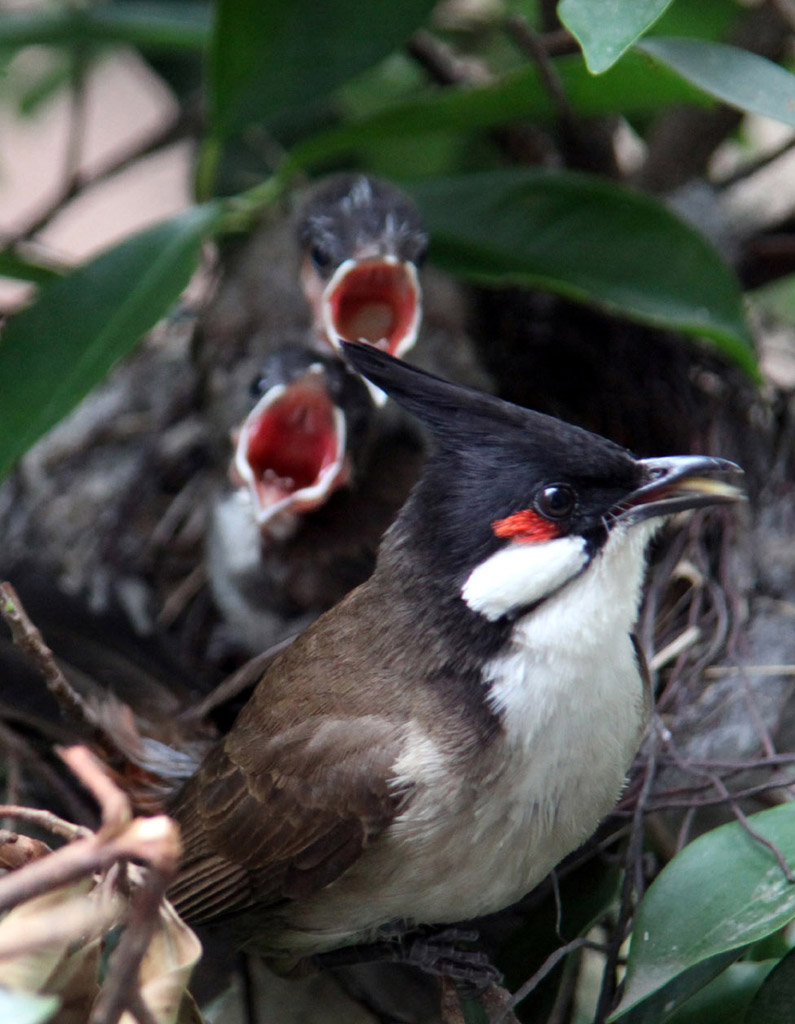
(30, 640)
(531, 44)
(731, 799)
(39, 768)
(28, 637)
(46, 820)
(145, 839)
(121, 981)
(532, 983)
(114, 805)
(631, 887)
(731, 671)
(449, 1006)
(443, 64)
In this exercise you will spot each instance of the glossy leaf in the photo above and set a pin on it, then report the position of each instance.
(726, 999)
(631, 88)
(55, 351)
(606, 30)
(269, 56)
(737, 77)
(588, 240)
(26, 1007)
(735, 894)
(774, 1002)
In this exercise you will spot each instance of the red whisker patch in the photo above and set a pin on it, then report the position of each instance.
(527, 527)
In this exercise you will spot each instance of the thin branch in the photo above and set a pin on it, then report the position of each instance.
(548, 965)
(46, 820)
(120, 987)
(631, 888)
(30, 640)
(532, 45)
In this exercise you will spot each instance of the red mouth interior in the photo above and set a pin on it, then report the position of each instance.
(374, 302)
(292, 442)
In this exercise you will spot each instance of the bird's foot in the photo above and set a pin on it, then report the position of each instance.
(436, 953)
(440, 953)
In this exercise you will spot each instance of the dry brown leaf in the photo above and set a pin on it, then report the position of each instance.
(166, 968)
(51, 945)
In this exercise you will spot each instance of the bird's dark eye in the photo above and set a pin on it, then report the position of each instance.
(320, 256)
(556, 501)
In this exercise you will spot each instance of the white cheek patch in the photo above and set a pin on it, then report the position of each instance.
(521, 574)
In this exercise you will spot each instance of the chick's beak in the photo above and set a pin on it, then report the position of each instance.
(290, 452)
(377, 300)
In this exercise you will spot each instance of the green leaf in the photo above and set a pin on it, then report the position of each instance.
(725, 999)
(149, 26)
(675, 992)
(735, 894)
(22, 269)
(590, 240)
(605, 30)
(26, 1007)
(269, 56)
(737, 77)
(777, 298)
(775, 1000)
(54, 352)
(629, 88)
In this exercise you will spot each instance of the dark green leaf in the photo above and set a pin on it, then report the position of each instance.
(726, 999)
(269, 56)
(149, 26)
(774, 1003)
(21, 269)
(27, 1007)
(590, 240)
(737, 77)
(672, 993)
(55, 351)
(735, 894)
(629, 88)
(606, 31)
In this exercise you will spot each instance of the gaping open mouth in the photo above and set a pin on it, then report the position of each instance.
(679, 483)
(290, 451)
(373, 300)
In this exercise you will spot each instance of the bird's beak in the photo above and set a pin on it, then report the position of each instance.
(291, 452)
(678, 483)
(377, 300)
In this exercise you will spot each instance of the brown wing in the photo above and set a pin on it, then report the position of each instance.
(273, 817)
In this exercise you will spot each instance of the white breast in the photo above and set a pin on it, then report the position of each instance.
(570, 698)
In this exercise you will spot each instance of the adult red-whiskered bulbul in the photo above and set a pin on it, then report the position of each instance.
(429, 749)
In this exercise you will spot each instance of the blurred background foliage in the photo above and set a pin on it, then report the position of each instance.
(548, 147)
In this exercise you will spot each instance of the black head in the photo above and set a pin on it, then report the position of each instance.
(354, 214)
(499, 473)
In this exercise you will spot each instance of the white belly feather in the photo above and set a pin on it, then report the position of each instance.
(570, 698)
